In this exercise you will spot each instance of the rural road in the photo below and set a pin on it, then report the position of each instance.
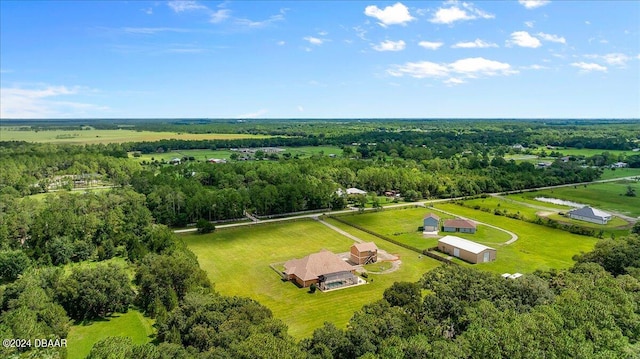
(409, 204)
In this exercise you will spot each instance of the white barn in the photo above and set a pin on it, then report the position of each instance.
(589, 214)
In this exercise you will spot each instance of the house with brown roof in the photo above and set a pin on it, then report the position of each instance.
(459, 225)
(364, 253)
(325, 269)
(431, 223)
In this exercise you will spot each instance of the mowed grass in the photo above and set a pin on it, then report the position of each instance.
(587, 152)
(609, 173)
(402, 225)
(605, 196)
(91, 136)
(537, 247)
(204, 154)
(237, 260)
(131, 324)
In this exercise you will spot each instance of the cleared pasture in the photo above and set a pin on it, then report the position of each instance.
(91, 136)
(131, 324)
(204, 154)
(605, 196)
(237, 260)
(537, 247)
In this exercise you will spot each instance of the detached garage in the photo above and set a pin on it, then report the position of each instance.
(469, 251)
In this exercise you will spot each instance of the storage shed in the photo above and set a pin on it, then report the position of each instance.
(467, 250)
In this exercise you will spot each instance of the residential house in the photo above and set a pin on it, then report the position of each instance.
(325, 269)
(431, 223)
(459, 225)
(364, 253)
(589, 214)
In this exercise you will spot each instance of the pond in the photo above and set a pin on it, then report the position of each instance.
(560, 202)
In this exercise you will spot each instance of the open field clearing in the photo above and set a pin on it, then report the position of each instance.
(620, 172)
(110, 136)
(237, 262)
(605, 196)
(131, 324)
(204, 154)
(587, 152)
(402, 225)
(537, 247)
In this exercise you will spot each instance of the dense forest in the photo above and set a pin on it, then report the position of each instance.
(77, 257)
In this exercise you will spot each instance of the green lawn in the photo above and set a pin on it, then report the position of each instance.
(131, 324)
(605, 196)
(237, 261)
(402, 225)
(537, 247)
(620, 172)
(110, 136)
(587, 152)
(204, 154)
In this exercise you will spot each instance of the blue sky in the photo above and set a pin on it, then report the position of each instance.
(322, 59)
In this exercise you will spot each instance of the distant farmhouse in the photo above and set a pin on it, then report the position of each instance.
(216, 160)
(364, 253)
(325, 269)
(619, 165)
(431, 223)
(589, 214)
(459, 225)
(175, 161)
(350, 191)
(469, 251)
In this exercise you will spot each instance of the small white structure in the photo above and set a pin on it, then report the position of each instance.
(175, 161)
(515, 276)
(506, 275)
(354, 190)
(216, 160)
(619, 165)
(469, 251)
(589, 214)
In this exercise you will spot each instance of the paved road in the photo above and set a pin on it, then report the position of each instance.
(410, 204)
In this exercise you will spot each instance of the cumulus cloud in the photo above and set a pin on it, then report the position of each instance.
(220, 16)
(552, 38)
(523, 39)
(480, 44)
(397, 14)
(314, 40)
(430, 45)
(185, 5)
(454, 81)
(532, 4)
(464, 11)
(389, 45)
(455, 72)
(44, 101)
(589, 67)
(616, 59)
(529, 24)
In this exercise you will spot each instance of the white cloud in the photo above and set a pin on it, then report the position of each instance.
(456, 71)
(281, 43)
(589, 67)
(148, 11)
(220, 16)
(185, 5)
(43, 101)
(389, 45)
(587, 22)
(482, 66)
(532, 4)
(454, 81)
(430, 45)
(261, 23)
(480, 44)
(534, 67)
(456, 13)
(529, 24)
(396, 14)
(314, 40)
(552, 38)
(523, 39)
(256, 114)
(616, 59)
(360, 32)
(300, 109)
(419, 70)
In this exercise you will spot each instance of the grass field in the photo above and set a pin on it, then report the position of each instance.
(237, 261)
(204, 154)
(402, 225)
(109, 136)
(537, 247)
(568, 151)
(131, 324)
(620, 172)
(605, 196)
